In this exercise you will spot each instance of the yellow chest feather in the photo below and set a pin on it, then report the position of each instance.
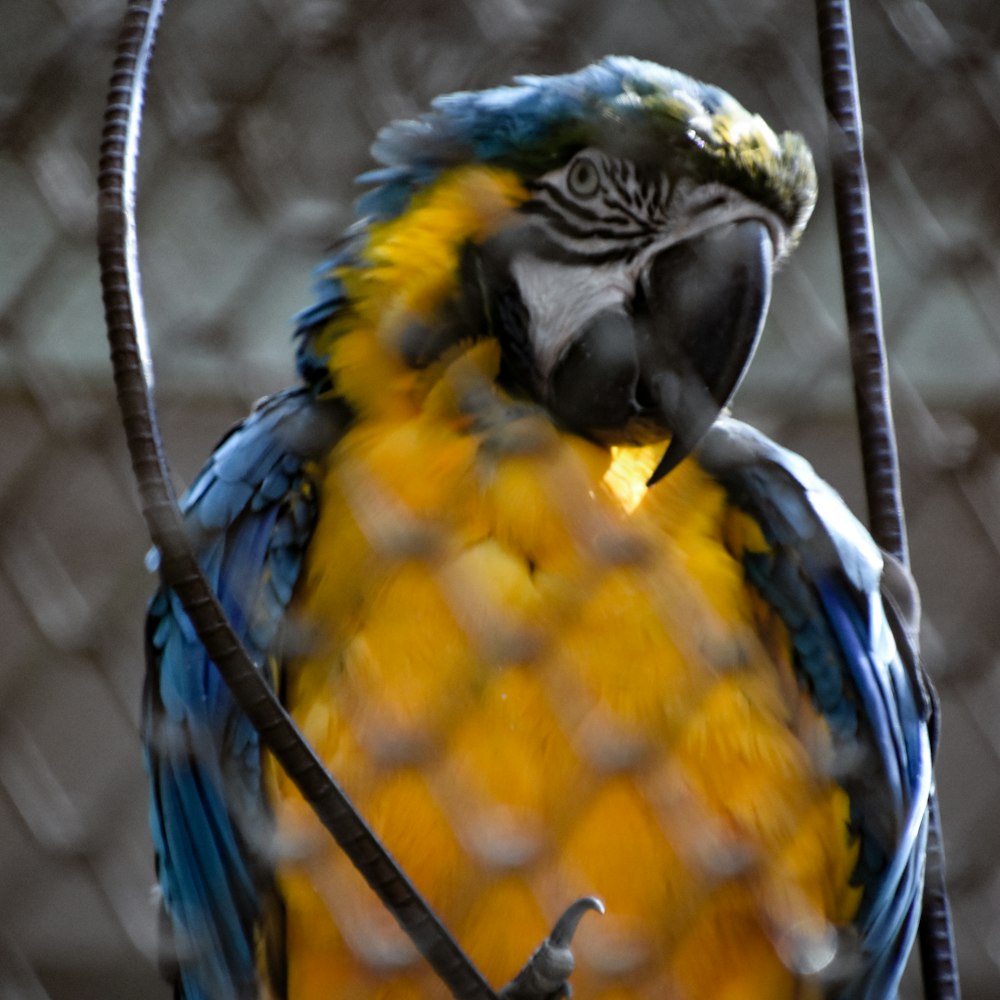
(539, 680)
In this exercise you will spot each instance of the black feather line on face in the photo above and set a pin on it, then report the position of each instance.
(493, 300)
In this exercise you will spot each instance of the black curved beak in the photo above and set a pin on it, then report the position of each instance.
(698, 315)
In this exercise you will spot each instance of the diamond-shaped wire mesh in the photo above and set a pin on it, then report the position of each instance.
(259, 116)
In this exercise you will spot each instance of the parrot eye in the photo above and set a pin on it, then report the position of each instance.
(584, 177)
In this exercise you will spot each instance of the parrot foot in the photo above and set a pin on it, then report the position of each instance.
(545, 975)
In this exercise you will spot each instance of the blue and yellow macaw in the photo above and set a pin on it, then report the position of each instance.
(544, 660)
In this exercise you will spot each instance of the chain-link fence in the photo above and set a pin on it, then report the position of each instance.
(260, 114)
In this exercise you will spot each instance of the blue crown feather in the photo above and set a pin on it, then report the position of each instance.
(620, 103)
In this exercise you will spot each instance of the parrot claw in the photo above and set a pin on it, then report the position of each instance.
(545, 975)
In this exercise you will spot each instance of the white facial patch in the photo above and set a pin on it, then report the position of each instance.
(562, 298)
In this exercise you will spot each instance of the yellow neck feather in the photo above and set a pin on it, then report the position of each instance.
(408, 273)
(539, 679)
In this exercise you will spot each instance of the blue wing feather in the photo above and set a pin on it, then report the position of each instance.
(823, 577)
(251, 517)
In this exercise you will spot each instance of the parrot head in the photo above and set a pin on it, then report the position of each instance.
(627, 287)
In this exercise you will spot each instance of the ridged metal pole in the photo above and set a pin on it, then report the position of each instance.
(860, 273)
(874, 413)
(178, 565)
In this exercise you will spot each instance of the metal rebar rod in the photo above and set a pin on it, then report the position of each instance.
(180, 569)
(874, 413)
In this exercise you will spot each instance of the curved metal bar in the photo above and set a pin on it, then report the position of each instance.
(179, 567)
(860, 274)
(938, 961)
(875, 423)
